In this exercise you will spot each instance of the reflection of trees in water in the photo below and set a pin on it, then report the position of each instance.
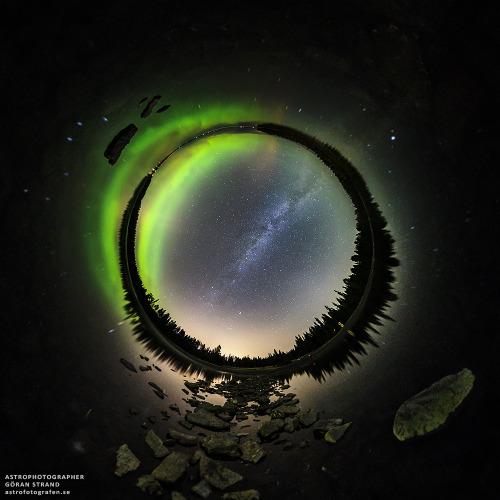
(334, 340)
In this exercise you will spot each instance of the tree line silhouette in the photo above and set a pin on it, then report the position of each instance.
(373, 261)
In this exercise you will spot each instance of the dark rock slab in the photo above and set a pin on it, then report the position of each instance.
(307, 417)
(148, 484)
(224, 444)
(163, 108)
(202, 489)
(217, 475)
(242, 495)
(333, 434)
(251, 451)
(118, 143)
(428, 410)
(283, 411)
(156, 444)
(128, 365)
(321, 427)
(150, 106)
(270, 428)
(184, 439)
(126, 461)
(207, 420)
(172, 468)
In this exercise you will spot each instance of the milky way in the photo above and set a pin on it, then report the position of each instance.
(255, 248)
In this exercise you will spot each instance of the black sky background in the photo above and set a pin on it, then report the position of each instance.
(445, 88)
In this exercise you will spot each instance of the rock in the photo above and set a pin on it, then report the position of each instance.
(175, 408)
(157, 368)
(145, 358)
(184, 439)
(192, 386)
(221, 444)
(218, 476)
(148, 484)
(202, 489)
(196, 457)
(307, 417)
(207, 420)
(156, 444)
(176, 495)
(113, 152)
(270, 428)
(144, 368)
(126, 461)
(163, 108)
(428, 410)
(283, 411)
(227, 417)
(333, 434)
(321, 427)
(150, 105)
(187, 425)
(156, 387)
(242, 495)
(134, 410)
(172, 468)
(159, 394)
(251, 451)
(287, 444)
(128, 365)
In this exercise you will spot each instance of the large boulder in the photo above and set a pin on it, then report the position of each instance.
(221, 444)
(207, 420)
(428, 410)
(217, 475)
(172, 468)
(126, 461)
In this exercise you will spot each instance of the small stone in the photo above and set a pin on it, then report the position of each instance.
(175, 408)
(148, 484)
(218, 476)
(307, 417)
(251, 451)
(221, 444)
(335, 433)
(172, 468)
(156, 444)
(270, 428)
(207, 420)
(184, 439)
(152, 419)
(187, 425)
(128, 365)
(196, 457)
(135, 410)
(202, 489)
(321, 427)
(126, 461)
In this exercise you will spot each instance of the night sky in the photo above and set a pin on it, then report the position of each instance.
(244, 238)
(250, 246)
